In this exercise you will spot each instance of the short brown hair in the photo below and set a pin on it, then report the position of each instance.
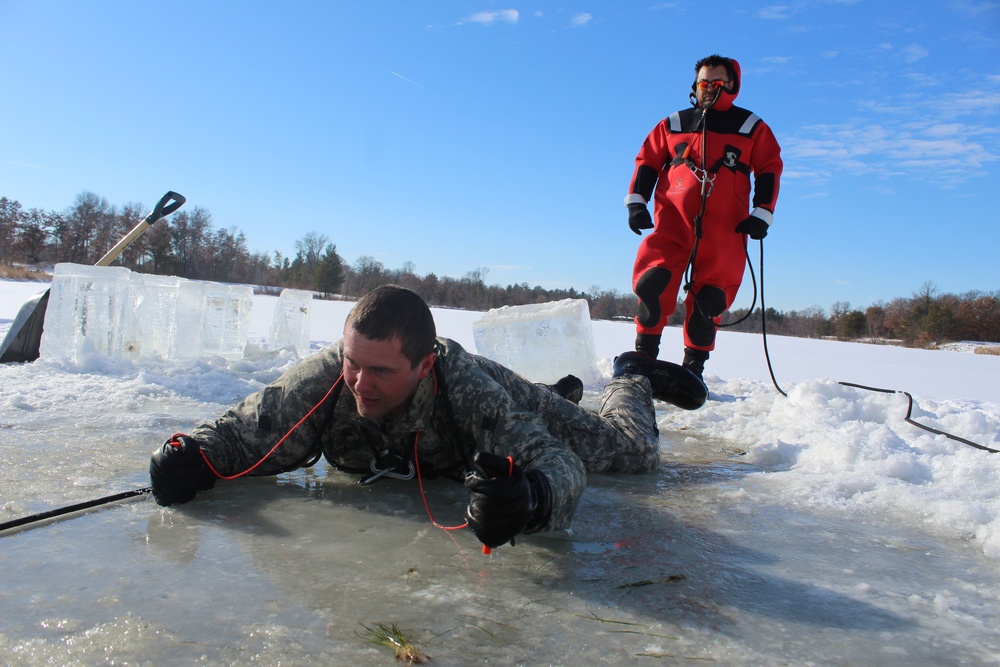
(391, 311)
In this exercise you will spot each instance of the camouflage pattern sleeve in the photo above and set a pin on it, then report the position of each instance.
(622, 437)
(246, 433)
(484, 407)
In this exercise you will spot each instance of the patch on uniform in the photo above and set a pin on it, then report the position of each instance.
(489, 423)
(732, 156)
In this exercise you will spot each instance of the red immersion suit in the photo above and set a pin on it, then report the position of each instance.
(676, 157)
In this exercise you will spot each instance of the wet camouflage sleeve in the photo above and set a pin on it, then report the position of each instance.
(543, 431)
(502, 418)
(622, 437)
(246, 433)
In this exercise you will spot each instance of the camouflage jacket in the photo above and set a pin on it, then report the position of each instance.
(468, 404)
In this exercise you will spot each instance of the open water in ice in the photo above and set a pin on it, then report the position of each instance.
(699, 563)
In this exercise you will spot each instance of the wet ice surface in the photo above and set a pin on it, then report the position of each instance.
(842, 536)
(702, 561)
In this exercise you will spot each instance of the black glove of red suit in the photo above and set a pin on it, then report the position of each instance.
(753, 227)
(638, 218)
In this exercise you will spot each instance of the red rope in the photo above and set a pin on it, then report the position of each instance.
(416, 460)
(423, 495)
(277, 444)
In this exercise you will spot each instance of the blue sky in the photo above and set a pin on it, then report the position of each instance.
(501, 136)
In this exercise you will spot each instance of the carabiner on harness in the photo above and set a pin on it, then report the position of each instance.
(704, 177)
(400, 469)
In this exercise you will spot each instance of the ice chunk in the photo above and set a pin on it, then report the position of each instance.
(212, 318)
(543, 342)
(157, 313)
(187, 319)
(111, 311)
(290, 326)
(91, 309)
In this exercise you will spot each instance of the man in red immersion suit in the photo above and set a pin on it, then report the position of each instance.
(696, 166)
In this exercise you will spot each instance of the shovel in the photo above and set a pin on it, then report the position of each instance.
(25, 334)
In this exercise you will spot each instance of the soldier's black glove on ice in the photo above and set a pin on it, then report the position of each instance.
(505, 501)
(638, 218)
(178, 471)
(753, 227)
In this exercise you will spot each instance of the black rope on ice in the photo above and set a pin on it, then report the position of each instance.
(763, 320)
(909, 408)
(69, 509)
(909, 411)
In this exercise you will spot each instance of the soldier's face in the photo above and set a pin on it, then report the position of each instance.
(378, 374)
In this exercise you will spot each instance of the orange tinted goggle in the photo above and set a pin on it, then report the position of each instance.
(715, 84)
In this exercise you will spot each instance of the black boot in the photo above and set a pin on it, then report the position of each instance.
(632, 363)
(648, 344)
(668, 381)
(694, 361)
(569, 387)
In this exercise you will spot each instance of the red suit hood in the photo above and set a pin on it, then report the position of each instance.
(726, 98)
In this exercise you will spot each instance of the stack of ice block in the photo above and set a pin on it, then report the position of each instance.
(290, 326)
(91, 309)
(542, 342)
(111, 311)
(212, 318)
(157, 314)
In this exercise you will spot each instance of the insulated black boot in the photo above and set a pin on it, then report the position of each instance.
(648, 344)
(694, 361)
(569, 387)
(668, 381)
(633, 363)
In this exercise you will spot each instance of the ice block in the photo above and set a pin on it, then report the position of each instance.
(542, 342)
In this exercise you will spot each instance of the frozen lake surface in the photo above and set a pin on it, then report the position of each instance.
(702, 562)
(817, 529)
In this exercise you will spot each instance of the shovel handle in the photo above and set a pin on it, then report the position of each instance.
(162, 208)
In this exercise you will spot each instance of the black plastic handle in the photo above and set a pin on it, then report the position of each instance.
(163, 209)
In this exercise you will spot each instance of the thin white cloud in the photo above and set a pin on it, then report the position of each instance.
(913, 53)
(580, 20)
(774, 12)
(406, 80)
(975, 8)
(499, 16)
(24, 164)
(942, 139)
(947, 156)
(924, 79)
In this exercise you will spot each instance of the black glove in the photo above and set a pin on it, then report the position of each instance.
(178, 471)
(638, 218)
(753, 227)
(505, 501)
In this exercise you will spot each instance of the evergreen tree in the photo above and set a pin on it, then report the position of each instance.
(328, 276)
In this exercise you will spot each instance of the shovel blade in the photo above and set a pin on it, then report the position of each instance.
(25, 335)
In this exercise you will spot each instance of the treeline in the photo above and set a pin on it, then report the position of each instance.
(188, 245)
(927, 318)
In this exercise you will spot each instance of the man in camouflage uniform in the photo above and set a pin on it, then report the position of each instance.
(421, 404)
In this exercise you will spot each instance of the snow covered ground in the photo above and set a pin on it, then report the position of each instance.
(818, 528)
